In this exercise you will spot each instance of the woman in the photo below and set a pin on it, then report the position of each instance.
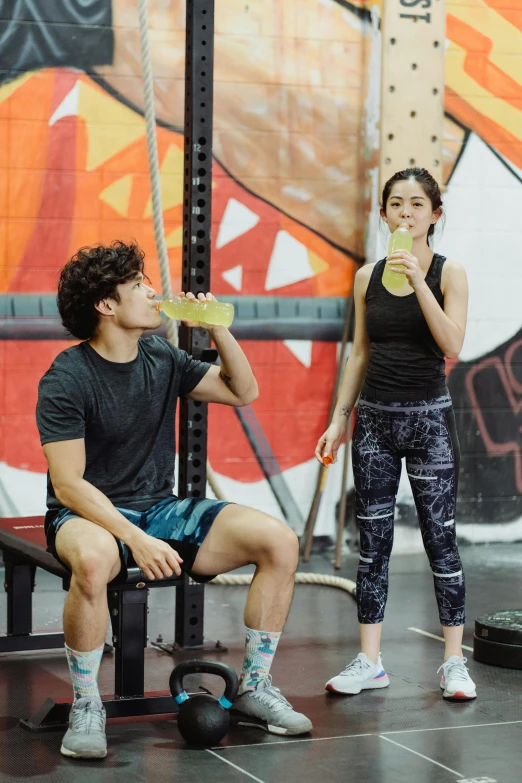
(397, 364)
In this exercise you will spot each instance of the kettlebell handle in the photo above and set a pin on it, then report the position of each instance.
(204, 667)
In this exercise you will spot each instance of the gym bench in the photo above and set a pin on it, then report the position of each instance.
(22, 542)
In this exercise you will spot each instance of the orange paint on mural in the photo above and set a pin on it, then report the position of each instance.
(478, 65)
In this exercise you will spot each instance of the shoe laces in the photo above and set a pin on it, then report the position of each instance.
(355, 667)
(269, 695)
(455, 670)
(88, 717)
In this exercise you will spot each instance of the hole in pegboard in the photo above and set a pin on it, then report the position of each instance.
(434, 138)
(390, 136)
(414, 66)
(436, 44)
(391, 88)
(435, 162)
(435, 91)
(412, 161)
(393, 41)
(387, 161)
(413, 113)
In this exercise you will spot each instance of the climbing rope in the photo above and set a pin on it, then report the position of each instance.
(300, 579)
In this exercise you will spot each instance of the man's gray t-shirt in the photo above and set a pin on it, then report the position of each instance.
(126, 414)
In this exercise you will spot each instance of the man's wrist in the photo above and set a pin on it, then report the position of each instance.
(216, 331)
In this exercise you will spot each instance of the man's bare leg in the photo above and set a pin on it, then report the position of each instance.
(240, 536)
(93, 557)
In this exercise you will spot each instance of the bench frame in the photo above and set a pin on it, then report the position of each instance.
(128, 611)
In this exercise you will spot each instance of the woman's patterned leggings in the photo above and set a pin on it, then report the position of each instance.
(423, 432)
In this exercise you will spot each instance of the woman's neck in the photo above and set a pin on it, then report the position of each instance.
(423, 252)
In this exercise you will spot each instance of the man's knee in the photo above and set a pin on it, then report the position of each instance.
(282, 546)
(93, 559)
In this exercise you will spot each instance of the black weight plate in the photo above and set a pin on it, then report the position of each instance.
(504, 626)
(507, 655)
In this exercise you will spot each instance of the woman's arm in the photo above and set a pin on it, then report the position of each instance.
(354, 371)
(448, 325)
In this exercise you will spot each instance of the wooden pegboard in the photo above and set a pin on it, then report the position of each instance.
(412, 86)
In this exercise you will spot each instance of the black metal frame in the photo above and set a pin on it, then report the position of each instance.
(19, 585)
(197, 236)
(128, 612)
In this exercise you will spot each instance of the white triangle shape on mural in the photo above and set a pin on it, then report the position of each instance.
(69, 106)
(234, 277)
(237, 220)
(289, 262)
(302, 350)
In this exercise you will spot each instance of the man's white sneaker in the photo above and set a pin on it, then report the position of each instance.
(361, 674)
(455, 681)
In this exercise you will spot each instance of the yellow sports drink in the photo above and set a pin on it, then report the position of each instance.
(206, 313)
(401, 239)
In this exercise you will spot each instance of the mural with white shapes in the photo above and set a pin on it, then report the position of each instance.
(234, 277)
(290, 101)
(237, 220)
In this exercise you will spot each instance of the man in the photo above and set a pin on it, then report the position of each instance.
(106, 412)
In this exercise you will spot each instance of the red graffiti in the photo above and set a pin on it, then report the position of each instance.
(496, 395)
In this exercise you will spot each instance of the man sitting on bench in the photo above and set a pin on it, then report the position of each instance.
(106, 416)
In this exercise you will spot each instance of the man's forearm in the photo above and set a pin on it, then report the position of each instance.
(89, 503)
(235, 370)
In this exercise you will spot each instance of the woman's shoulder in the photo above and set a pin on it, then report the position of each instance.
(363, 277)
(453, 273)
(364, 273)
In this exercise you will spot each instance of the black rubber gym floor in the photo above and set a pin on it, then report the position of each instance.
(402, 733)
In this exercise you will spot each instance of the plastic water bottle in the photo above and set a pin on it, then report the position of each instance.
(206, 313)
(401, 239)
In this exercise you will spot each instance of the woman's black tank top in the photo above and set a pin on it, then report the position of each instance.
(405, 361)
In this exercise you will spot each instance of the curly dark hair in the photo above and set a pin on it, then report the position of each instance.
(428, 183)
(92, 274)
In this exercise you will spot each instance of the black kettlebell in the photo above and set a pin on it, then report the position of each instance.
(203, 719)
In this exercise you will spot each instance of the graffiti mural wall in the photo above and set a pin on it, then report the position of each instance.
(289, 210)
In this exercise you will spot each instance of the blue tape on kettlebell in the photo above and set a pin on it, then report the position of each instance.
(225, 703)
(181, 697)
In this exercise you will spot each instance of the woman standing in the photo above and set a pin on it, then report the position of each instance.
(397, 366)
